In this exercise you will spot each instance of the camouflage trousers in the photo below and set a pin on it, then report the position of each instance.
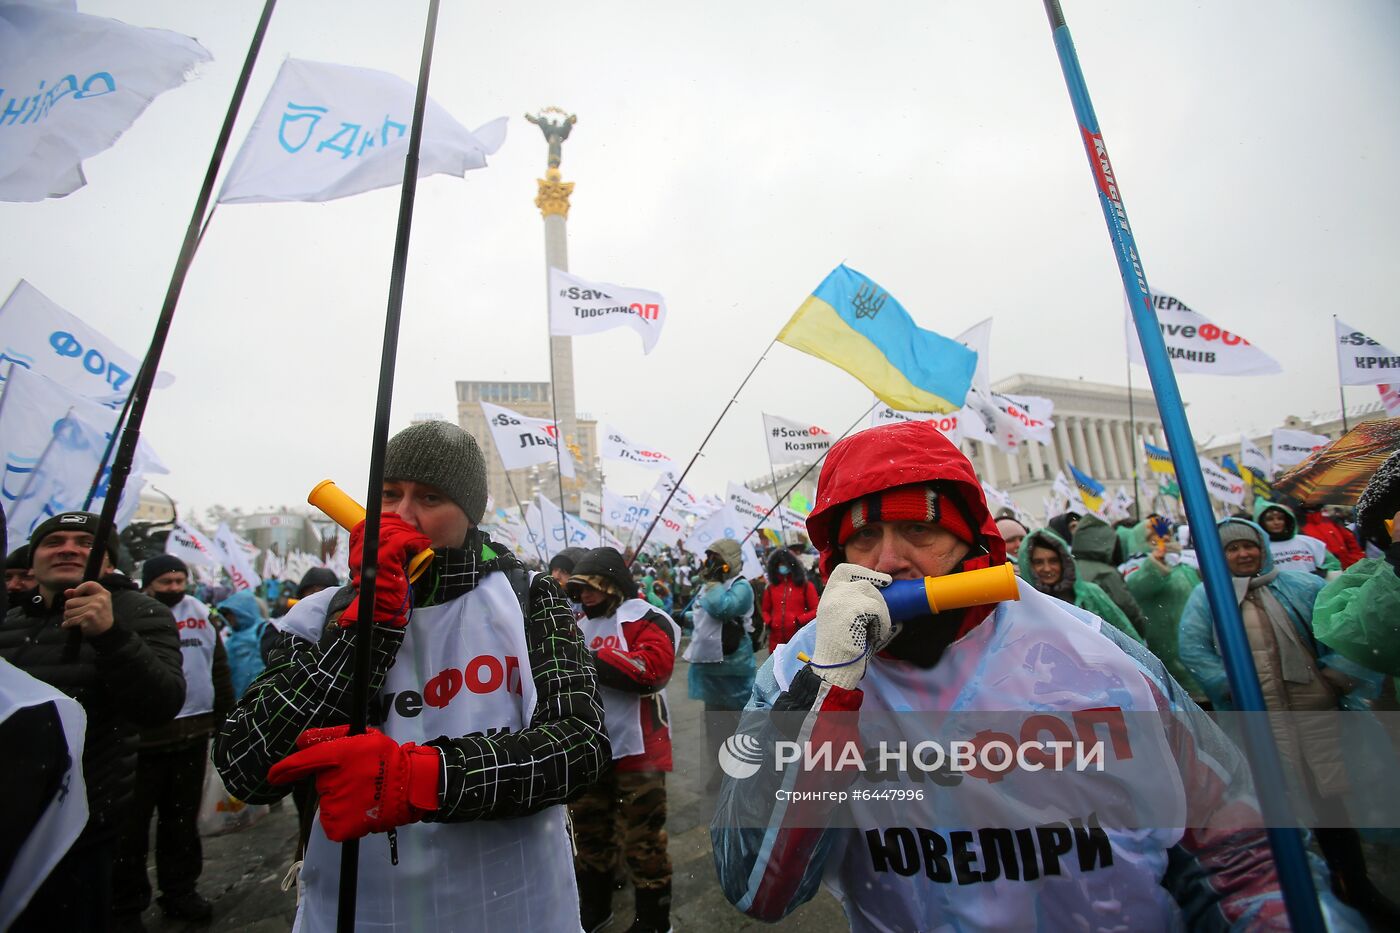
(625, 810)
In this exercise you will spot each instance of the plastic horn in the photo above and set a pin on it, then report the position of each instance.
(347, 513)
(909, 599)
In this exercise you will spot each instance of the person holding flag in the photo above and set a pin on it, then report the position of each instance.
(633, 646)
(901, 502)
(489, 722)
(170, 762)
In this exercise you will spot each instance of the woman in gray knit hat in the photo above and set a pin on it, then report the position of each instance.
(488, 722)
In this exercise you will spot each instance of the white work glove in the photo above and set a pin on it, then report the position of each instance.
(853, 623)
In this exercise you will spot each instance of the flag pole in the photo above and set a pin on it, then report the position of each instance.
(107, 452)
(641, 544)
(782, 524)
(1295, 879)
(521, 509)
(807, 472)
(145, 375)
(1341, 393)
(374, 495)
(1132, 429)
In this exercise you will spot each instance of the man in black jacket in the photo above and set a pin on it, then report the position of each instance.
(123, 667)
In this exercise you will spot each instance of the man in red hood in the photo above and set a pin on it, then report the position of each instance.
(964, 850)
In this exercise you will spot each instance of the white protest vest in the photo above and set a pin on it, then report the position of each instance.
(705, 646)
(463, 668)
(197, 638)
(1035, 655)
(622, 711)
(67, 813)
(1298, 553)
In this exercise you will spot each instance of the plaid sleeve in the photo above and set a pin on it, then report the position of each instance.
(561, 752)
(306, 685)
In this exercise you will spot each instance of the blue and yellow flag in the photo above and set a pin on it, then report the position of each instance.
(851, 322)
(1159, 459)
(1089, 488)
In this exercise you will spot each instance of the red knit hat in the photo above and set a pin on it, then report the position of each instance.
(917, 502)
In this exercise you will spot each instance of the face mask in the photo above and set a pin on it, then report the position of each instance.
(784, 570)
(1171, 559)
(169, 599)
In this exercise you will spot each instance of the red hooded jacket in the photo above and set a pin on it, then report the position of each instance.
(1339, 541)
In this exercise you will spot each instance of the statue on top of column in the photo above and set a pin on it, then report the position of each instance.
(555, 131)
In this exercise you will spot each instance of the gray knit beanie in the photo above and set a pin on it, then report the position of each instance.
(443, 455)
(1235, 530)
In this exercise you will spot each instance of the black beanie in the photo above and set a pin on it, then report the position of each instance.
(443, 455)
(158, 566)
(71, 521)
(567, 558)
(18, 559)
(323, 577)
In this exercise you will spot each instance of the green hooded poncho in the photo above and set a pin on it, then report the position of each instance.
(1093, 547)
(1161, 592)
(1087, 596)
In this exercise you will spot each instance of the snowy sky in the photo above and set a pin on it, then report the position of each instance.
(729, 155)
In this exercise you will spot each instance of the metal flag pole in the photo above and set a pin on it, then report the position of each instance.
(146, 374)
(374, 495)
(641, 544)
(521, 508)
(1341, 393)
(1290, 858)
(1132, 430)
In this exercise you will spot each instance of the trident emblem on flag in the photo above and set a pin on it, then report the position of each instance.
(869, 300)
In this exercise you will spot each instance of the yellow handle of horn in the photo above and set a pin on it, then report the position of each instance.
(973, 588)
(347, 513)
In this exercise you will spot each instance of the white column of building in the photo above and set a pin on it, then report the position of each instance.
(1110, 452)
(989, 466)
(1062, 453)
(1081, 454)
(1095, 451)
(1013, 469)
(1037, 465)
(1125, 456)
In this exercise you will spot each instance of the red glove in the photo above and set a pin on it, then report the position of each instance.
(368, 783)
(399, 542)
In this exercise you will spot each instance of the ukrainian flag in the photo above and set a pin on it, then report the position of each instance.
(1090, 489)
(851, 322)
(1159, 460)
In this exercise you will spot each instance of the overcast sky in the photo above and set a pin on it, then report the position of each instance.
(729, 155)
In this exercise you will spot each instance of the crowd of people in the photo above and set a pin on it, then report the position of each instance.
(515, 762)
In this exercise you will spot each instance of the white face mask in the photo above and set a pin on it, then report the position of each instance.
(1171, 558)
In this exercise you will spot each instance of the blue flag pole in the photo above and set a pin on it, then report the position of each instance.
(1295, 880)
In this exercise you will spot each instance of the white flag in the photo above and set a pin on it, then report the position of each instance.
(523, 441)
(978, 339)
(1119, 505)
(626, 514)
(668, 530)
(1292, 447)
(548, 525)
(616, 446)
(951, 425)
(684, 500)
(749, 507)
(1390, 398)
(70, 85)
(1362, 361)
(723, 523)
(329, 131)
(1017, 419)
(233, 555)
(996, 498)
(193, 547)
(577, 306)
(60, 479)
(1196, 345)
(1254, 459)
(794, 441)
(44, 338)
(1227, 487)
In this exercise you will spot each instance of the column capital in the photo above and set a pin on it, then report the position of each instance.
(553, 197)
